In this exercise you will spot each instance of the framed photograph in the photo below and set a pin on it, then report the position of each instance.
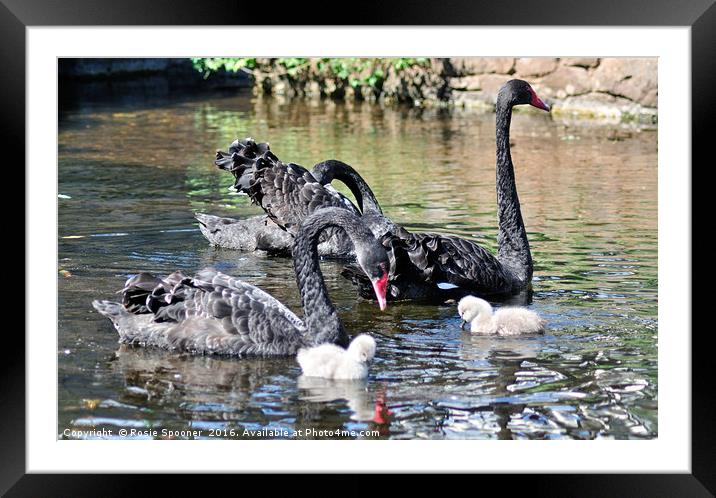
(289, 249)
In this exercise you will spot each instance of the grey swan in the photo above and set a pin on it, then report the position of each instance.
(287, 193)
(255, 233)
(440, 267)
(213, 313)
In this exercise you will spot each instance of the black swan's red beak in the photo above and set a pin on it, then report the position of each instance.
(380, 286)
(537, 102)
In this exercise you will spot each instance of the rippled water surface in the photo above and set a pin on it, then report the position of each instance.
(133, 170)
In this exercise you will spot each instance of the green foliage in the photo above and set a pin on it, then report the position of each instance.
(210, 65)
(407, 62)
(353, 71)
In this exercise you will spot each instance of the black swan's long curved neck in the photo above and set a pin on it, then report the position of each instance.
(513, 248)
(327, 171)
(320, 316)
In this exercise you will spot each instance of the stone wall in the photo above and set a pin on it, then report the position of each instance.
(619, 89)
(584, 86)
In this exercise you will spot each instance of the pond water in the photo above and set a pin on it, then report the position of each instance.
(132, 170)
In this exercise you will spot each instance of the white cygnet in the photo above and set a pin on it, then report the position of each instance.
(504, 321)
(333, 362)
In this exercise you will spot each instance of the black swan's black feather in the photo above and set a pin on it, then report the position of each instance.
(423, 265)
(435, 266)
(286, 192)
(213, 313)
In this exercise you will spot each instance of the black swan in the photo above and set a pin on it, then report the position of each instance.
(424, 266)
(434, 266)
(261, 233)
(213, 313)
(286, 192)
(372, 214)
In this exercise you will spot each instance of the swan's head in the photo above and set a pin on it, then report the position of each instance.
(516, 92)
(374, 261)
(362, 348)
(470, 307)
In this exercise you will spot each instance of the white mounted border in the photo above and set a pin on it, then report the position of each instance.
(669, 452)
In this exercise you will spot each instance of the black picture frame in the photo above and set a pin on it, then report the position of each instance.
(16, 15)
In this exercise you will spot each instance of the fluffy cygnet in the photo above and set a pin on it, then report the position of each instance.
(505, 321)
(333, 362)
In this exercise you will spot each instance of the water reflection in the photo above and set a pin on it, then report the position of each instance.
(589, 200)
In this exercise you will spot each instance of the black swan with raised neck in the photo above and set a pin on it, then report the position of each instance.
(436, 266)
(423, 265)
(213, 313)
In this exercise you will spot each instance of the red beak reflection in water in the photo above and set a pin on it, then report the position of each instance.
(537, 102)
(382, 413)
(380, 287)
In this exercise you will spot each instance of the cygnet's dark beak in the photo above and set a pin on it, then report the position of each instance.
(462, 324)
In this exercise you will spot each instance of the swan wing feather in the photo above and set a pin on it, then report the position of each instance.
(211, 313)
(459, 261)
(422, 263)
(288, 193)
